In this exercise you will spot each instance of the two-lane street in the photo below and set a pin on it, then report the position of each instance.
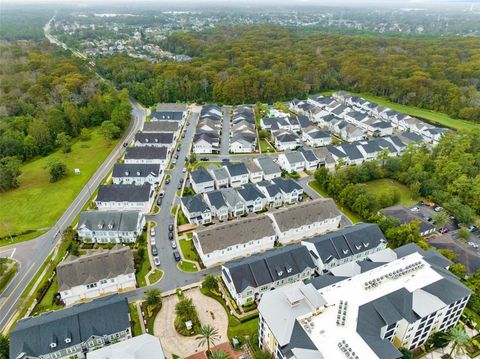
(32, 254)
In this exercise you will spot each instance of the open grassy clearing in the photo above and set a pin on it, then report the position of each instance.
(37, 203)
(155, 276)
(352, 216)
(383, 185)
(188, 250)
(433, 116)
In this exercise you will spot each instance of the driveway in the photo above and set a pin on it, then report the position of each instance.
(209, 312)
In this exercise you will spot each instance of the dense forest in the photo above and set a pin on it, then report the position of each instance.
(46, 99)
(269, 63)
(450, 175)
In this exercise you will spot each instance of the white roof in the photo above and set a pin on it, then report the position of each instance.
(145, 346)
(322, 328)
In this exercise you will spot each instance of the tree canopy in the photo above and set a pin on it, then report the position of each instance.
(246, 64)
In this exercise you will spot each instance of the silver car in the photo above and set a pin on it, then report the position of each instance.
(156, 260)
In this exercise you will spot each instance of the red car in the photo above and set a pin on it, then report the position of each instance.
(444, 230)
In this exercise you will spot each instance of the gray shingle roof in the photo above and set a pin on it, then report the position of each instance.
(160, 126)
(305, 213)
(201, 175)
(264, 268)
(91, 268)
(123, 193)
(110, 220)
(154, 137)
(219, 173)
(195, 203)
(268, 166)
(287, 185)
(250, 192)
(167, 116)
(216, 199)
(347, 241)
(104, 316)
(235, 232)
(236, 169)
(294, 157)
(146, 153)
(135, 170)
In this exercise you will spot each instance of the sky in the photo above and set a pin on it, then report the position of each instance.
(242, 2)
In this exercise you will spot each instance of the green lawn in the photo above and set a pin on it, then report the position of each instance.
(135, 320)
(37, 203)
(155, 276)
(352, 216)
(48, 301)
(8, 274)
(181, 219)
(188, 250)
(265, 147)
(187, 266)
(145, 264)
(238, 329)
(438, 117)
(382, 185)
(206, 164)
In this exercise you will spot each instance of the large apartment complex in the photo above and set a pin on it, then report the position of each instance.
(396, 298)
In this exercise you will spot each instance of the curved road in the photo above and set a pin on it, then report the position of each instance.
(32, 254)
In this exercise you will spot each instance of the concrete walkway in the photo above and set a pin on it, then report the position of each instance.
(209, 312)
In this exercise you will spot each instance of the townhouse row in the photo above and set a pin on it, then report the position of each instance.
(208, 130)
(243, 132)
(242, 237)
(228, 203)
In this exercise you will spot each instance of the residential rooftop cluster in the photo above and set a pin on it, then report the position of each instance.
(209, 126)
(393, 298)
(243, 132)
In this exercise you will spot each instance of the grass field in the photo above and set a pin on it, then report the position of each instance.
(352, 216)
(383, 185)
(437, 117)
(135, 320)
(187, 266)
(37, 203)
(188, 250)
(265, 147)
(48, 301)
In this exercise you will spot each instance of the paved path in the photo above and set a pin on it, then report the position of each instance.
(174, 343)
(225, 140)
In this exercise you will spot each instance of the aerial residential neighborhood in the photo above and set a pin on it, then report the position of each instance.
(239, 181)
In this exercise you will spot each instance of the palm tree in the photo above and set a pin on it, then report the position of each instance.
(220, 354)
(459, 339)
(208, 335)
(152, 297)
(186, 310)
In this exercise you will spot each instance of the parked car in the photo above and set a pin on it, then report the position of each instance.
(179, 185)
(184, 170)
(167, 181)
(174, 161)
(153, 241)
(176, 255)
(438, 209)
(174, 244)
(170, 236)
(178, 148)
(444, 230)
(154, 251)
(473, 228)
(176, 156)
(183, 135)
(125, 144)
(429, 219)
(170, 227)
(162, 194)
(156, 260)
(204, 159)
(415, 209)
(152, 231)
(159, 201)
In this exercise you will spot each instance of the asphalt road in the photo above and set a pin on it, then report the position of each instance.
(173, 277)
(225, 140)
(32, 254)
